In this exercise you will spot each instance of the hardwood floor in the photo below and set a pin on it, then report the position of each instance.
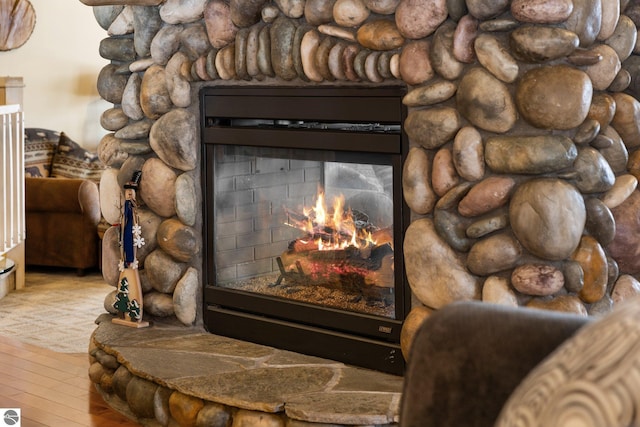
(52, 389)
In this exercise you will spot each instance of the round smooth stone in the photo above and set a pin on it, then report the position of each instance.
(358, 64)
(621, 190)
(624, 248)
(487, 195)
(451, 227)
(384, 64)
(593, 260)
(498, 25)
(113, 119)
(604, 72)
(537, 279)
(416, 185)
(602, 109)
(583, 58)
(201, 69)
(585, 20)
(220, 28)
(211, 64)
(380, 34)
(270, 13)
(495, 58)
(547, 217)
(624, 38)
(252, 51)
(444, 176)
(348, 57)
(394, 66)
(308, 48)
(542, 11)
(264, 51)
(432, 128)
(297, 50)
(241, 54)
(245, 13)
(488, 224)
(291, 8)
(382, 7)
(485, 101)
(412, 323)
(225, 63)
(464, 38)
(626, 287)
(318, 12)
(593, 174)
(432, 93)
(633, 165)
(468, 154)
(350, 13)
(417, 19)
(554, 97)
(615, 153)
(625, 120)
(496, 253)
(282, 33)
(621, 81)
(435, 273)
(335, 31)
(600, 222)
(322, 58)
(371, 67)
(496, 290)
(336, 66)
(484, 10)
(155, 99)
(441, 56)
(529, 154)
(415, 65)
(587, 131)
(540, 44)
(610, 16)
(573, 276)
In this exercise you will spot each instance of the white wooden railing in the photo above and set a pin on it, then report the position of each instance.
(12, 222)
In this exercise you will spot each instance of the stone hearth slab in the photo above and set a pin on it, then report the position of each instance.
(247, 376)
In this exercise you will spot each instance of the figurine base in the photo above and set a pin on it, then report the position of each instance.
(130, 323)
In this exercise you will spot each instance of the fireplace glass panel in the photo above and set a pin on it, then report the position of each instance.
(311, 226)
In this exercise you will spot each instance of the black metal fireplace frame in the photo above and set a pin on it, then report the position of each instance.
(354, 338)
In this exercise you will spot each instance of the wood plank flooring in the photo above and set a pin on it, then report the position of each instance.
(52, 389)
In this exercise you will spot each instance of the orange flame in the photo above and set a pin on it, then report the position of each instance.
(333, 229)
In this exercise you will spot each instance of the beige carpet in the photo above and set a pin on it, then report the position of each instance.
(55, 310)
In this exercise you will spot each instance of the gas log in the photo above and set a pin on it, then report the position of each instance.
(365, 270)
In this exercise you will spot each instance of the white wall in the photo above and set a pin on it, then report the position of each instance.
(60, 65)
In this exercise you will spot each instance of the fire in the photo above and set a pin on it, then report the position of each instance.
(332, 229)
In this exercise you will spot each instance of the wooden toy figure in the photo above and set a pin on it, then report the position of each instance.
(129, 296)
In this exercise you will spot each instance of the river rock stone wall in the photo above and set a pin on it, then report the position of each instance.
(522, 117)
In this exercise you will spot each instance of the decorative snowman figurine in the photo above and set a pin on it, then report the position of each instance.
(129, 296)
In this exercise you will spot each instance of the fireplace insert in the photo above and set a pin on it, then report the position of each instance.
(304, 219)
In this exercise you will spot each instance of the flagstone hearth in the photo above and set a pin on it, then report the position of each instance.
(168, 372)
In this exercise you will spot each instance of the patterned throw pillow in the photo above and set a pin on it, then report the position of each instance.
(39, 148)
(591, 380)
(73, 161)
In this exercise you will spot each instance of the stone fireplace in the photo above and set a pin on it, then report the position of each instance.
(522, 121)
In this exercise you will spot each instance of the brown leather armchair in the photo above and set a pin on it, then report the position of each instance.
(62, 216)
(468, 357)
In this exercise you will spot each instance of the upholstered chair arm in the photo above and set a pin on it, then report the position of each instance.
(468, 357)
